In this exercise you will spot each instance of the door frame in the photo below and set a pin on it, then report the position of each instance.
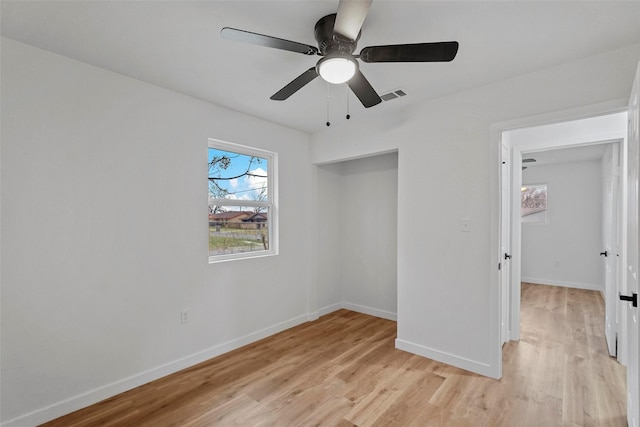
(497, 132)
(505, 242)
(568, 134)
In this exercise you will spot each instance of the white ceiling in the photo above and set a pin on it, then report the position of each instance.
(176, 45)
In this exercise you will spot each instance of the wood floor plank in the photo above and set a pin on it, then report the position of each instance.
(344, 370)
(411, 403)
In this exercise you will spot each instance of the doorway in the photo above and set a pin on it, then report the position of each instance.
(569, 227)
(606, 128)
(562, 216)
(357, 235)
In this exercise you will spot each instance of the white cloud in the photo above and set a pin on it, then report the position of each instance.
(247, 187)
(257, 182)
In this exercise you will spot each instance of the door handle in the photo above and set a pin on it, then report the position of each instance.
(507, 256)
(605, 253)
(633, 298)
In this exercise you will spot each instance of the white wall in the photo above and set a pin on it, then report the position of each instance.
(357, 221)
(565, 250)
(329, 224)
(104, 235)
(448, 300)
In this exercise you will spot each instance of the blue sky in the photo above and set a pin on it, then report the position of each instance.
(245, 187)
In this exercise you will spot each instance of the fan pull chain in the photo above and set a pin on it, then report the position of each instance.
(327, 91)
(348, 115)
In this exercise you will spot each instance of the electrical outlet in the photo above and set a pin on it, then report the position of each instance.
(185, 316)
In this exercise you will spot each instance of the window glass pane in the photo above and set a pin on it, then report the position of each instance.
(534, 203)
(237, 176)
(242, 206)
(238, 229)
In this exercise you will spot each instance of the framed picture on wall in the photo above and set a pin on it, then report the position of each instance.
(533, 206)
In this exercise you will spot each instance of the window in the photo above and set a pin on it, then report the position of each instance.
(242, 209)
(533, 203)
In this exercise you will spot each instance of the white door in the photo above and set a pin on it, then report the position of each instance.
(610, 249)
(633, 378)
(505, 247)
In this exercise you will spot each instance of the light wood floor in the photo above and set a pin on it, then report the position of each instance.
(343, 370)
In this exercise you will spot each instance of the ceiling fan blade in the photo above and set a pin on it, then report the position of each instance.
(350, 17)
(418, 52)
(267, 41)
(363, 90)
(295, 85)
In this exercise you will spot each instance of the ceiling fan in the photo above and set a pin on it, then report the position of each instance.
(337, 36)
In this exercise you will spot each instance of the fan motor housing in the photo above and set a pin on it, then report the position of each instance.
(330, 43)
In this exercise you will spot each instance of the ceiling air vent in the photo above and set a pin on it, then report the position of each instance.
(393, 95)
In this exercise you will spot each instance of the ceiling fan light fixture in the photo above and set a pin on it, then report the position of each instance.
(337, 69)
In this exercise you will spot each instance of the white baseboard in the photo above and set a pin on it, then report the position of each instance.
(450, 359)
(383, 314)
(330, 308)
(371, 311)
(587, 286)
(96, 395)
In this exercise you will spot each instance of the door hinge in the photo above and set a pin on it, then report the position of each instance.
(499, 266)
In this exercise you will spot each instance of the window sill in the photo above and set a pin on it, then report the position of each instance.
(235, 257)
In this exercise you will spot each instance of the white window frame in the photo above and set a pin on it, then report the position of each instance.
(271, 204)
